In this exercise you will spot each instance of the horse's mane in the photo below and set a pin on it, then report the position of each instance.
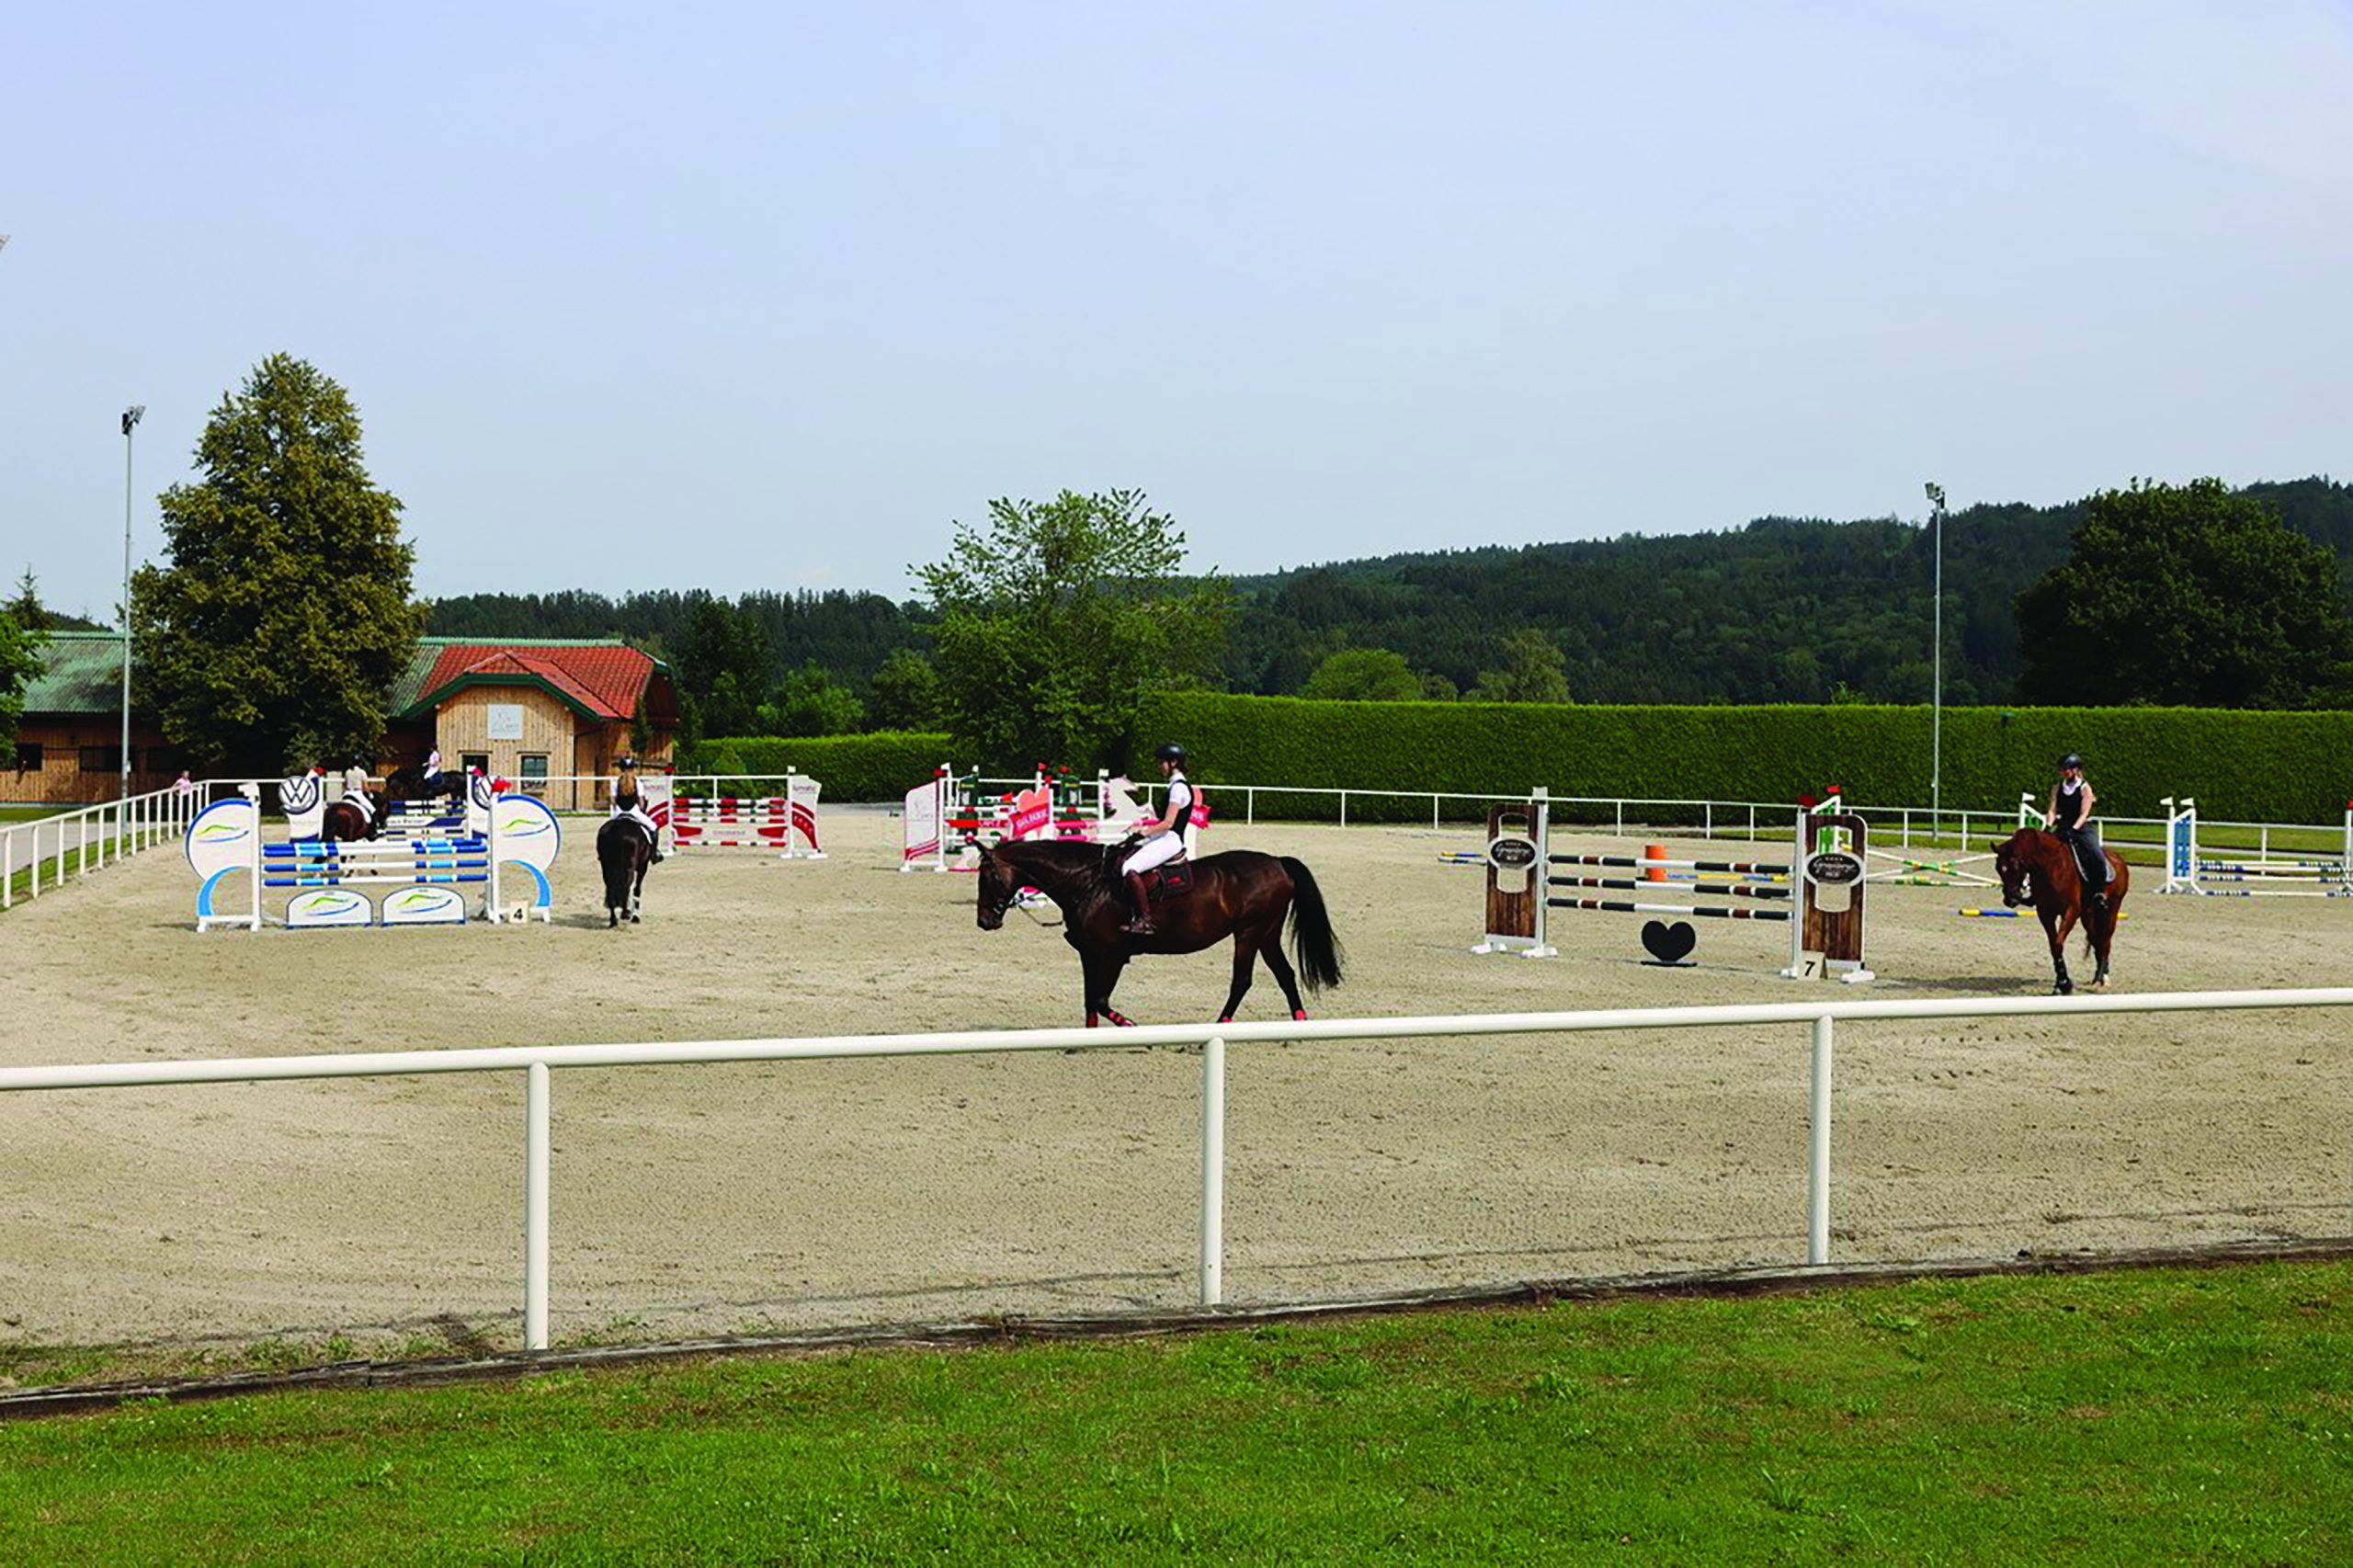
(1073, 859)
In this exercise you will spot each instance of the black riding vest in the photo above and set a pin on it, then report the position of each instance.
(2071, 804)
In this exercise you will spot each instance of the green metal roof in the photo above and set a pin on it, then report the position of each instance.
(81, 672)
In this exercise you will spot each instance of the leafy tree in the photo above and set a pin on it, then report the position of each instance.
(809, 703)
(273, 637)
(19, 662)
(1533, 670)
(2187, 596)
(721, 659)
(1053, 618)
(1364, 675)
(906, 694)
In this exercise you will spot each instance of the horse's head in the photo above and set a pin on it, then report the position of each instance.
(2014, 859)
(999, 887)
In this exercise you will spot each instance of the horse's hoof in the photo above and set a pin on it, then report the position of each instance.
(2064, 988)
(633, 920)
(612, 921)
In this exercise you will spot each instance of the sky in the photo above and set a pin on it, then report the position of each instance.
(769, 297)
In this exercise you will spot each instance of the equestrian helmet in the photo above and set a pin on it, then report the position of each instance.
(2070, 760)
(1172, 752)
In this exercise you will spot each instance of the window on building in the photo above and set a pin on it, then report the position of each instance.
(27, 757)
(479, 761)
(102, 759)
(164, 759)
(533, 767)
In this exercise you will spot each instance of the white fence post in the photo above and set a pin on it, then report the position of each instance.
(1817, 1194)
(1213, 1172)
(535, 1206)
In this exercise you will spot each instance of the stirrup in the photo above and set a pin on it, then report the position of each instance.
(1141, 926)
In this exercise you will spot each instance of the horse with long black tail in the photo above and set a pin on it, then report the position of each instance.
(1239, 893)
(2039, 869)
(624, 850)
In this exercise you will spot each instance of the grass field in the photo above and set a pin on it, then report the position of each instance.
(2165, 1416)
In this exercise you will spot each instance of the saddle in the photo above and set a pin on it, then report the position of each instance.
(1174, 879)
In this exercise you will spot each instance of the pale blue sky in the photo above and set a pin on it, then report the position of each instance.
(763, 297)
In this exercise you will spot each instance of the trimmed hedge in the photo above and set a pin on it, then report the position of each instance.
(880, 766)
(2273, 767)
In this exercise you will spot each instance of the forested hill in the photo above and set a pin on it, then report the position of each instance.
(1782, 610)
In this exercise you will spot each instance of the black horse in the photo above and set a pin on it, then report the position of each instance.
(623, 851)
(1239, 893)
(411, 784)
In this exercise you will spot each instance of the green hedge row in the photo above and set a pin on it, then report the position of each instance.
(880, 766)
(2270, 767)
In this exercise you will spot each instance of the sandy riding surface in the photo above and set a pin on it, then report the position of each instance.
(729, 1198)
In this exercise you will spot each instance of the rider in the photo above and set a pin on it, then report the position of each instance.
(356, 780)
(2070, 817)
(1163, 840)
(628, 802)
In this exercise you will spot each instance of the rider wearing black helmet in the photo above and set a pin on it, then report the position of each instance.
(1164, 840)
(2070, 816)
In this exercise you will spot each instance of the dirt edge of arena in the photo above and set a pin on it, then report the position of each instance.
(67, 1399)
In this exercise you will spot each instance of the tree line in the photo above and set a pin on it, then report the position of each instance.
(1042, 624)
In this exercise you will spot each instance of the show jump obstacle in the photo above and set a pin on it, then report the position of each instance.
(2252, 873)
(945, 818)
(511, 840)
(1827, 879)
(774, 822)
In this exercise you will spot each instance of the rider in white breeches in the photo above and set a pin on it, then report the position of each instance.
(1164, 840)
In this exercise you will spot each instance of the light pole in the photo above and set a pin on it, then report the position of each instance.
(131, 417)
(1937, 665)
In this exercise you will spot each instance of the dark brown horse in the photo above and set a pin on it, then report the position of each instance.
(623, 852)
(347, 823)
(2039, 869)
(1239, 893)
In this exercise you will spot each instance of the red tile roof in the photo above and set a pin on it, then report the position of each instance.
(604, 679)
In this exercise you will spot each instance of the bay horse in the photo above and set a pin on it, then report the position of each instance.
(623, 852)
(2039, 869)
(1239, 893)
(347, 824)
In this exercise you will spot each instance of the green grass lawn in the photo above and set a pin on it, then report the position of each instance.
(2153, 1416)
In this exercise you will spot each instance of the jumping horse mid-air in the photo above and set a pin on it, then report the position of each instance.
(1239, 893)
(2039, 869)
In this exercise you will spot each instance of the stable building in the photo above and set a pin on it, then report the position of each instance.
(553, 715)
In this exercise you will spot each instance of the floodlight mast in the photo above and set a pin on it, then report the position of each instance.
(1937, 666)
(131, 417)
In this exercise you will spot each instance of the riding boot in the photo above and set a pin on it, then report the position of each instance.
(1141, 925)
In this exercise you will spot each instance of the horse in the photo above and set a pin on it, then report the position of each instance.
(411, 784)
(347, 824)
(623, 852)
(2039, 869)
(1239, 893)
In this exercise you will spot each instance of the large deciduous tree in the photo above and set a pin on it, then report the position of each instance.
(1364, 675)
(272, 639)
(722, 657)
(2189, 596)
(19, 662)
(1533, 669)
(1055, 616)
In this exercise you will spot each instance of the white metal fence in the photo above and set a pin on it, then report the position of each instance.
(75, 842)
(538, 1063)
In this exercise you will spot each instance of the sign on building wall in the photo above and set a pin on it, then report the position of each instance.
(505, 720)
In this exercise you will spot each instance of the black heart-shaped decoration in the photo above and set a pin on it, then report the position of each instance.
(1668, 944)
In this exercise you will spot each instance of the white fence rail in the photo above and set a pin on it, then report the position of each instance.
(86, 837)
(538, 1063)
